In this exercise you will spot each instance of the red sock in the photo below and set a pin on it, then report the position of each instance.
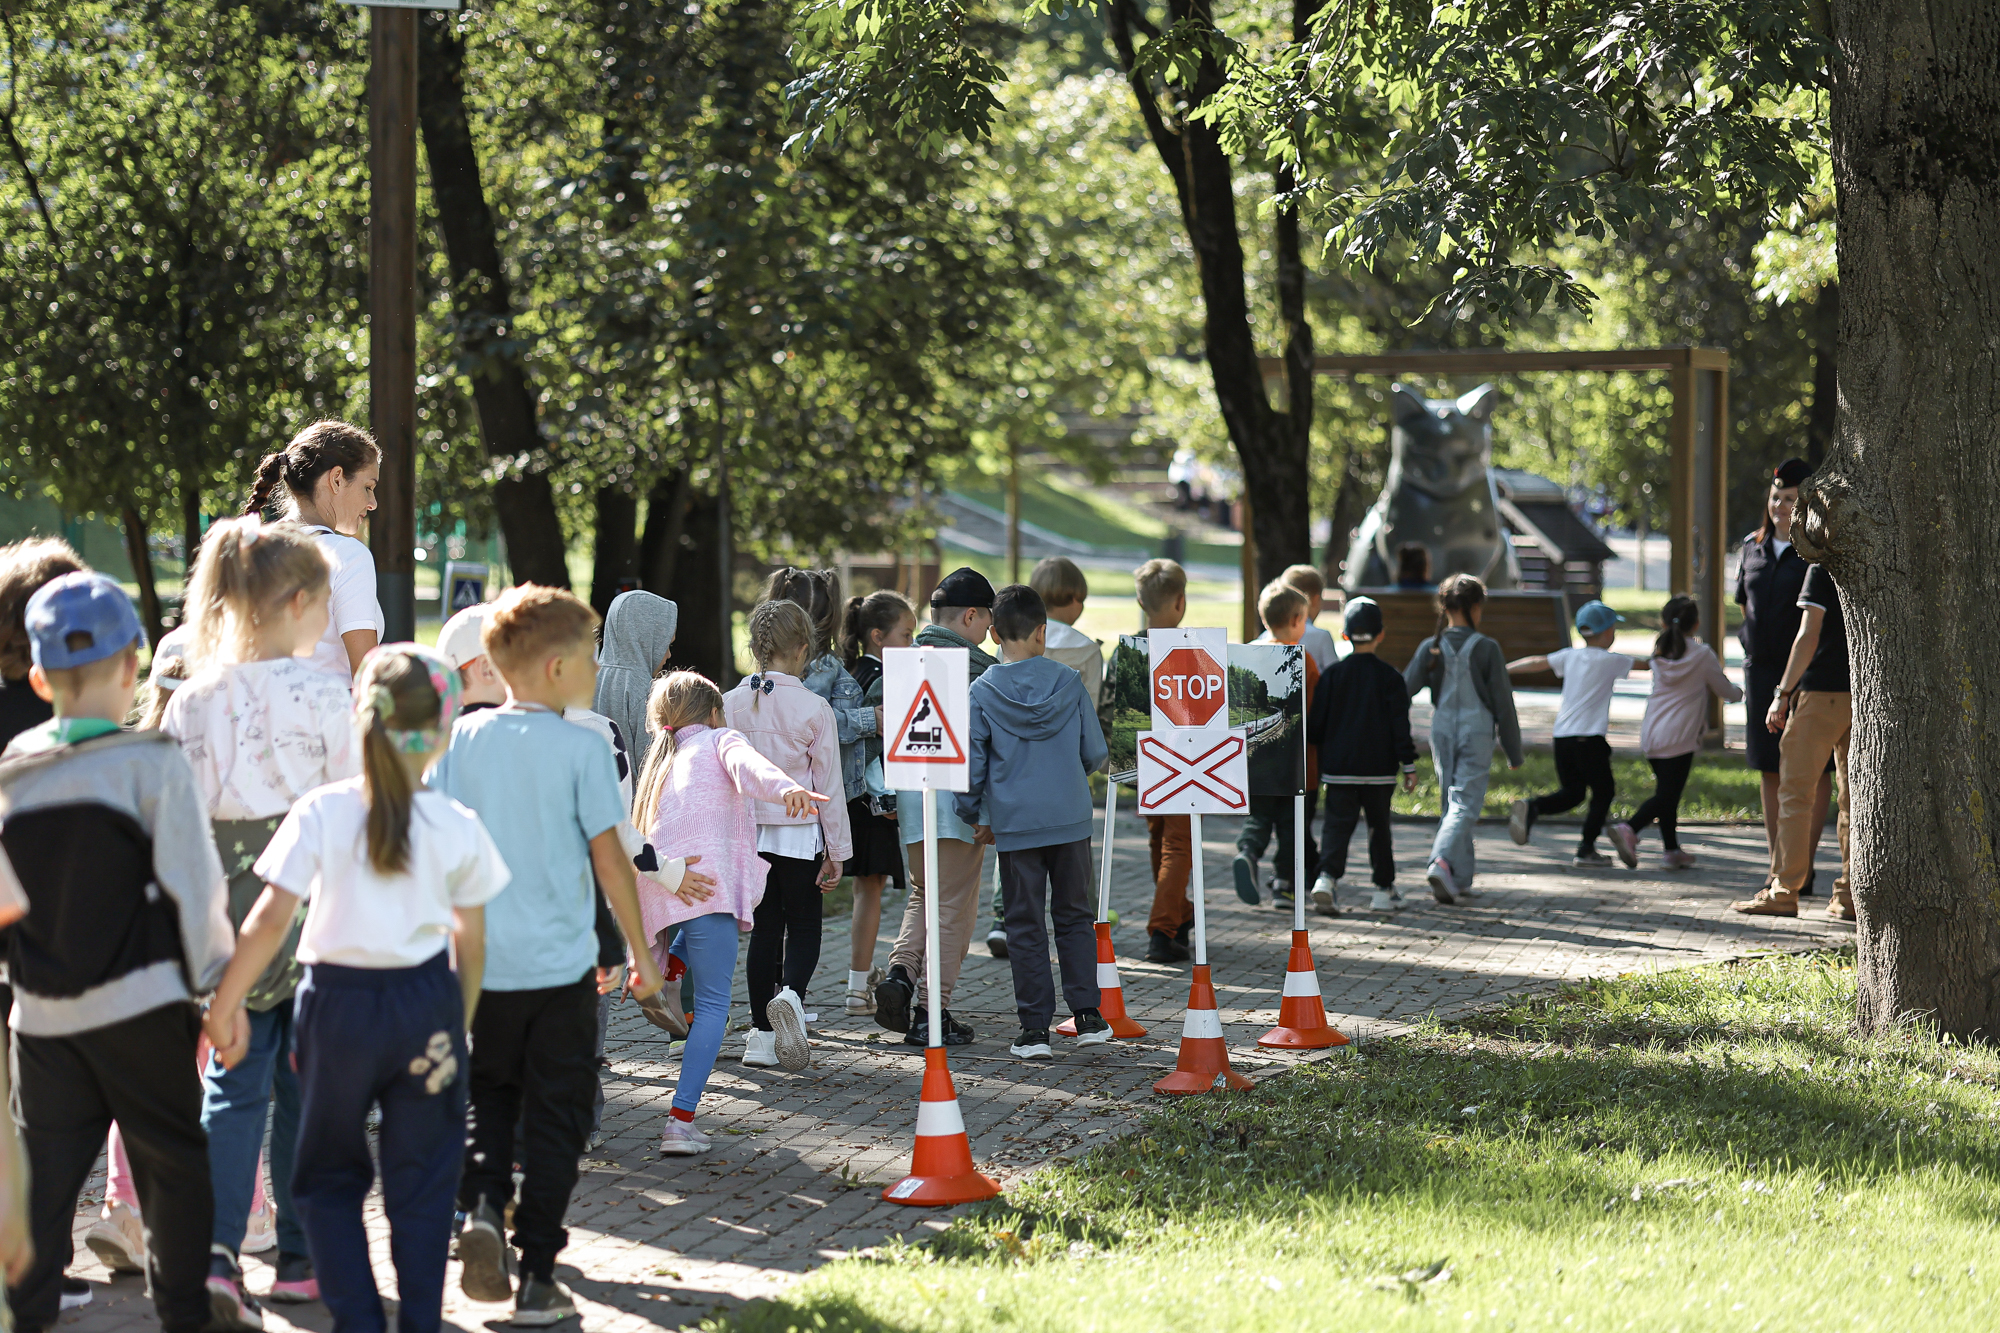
(685, 1117)
(676, 967)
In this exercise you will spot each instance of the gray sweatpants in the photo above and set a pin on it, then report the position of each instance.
(1055, 880)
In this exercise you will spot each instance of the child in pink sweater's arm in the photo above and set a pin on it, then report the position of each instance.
(720, 774)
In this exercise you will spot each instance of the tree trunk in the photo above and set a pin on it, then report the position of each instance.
(1826, 359)
(1271, 445)
(141, 556)
(190, 528)
(1359, 483)
(697, 590)
(1904, 514)
(666, 519)
(617, 549)
(501, 394)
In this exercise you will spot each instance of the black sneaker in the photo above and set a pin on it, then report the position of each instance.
(1590, 856)
(1244, 867)
(76, 1293)
(996, 942)
(1163, 948)
(892, 1000)
(541, 1304)
(1032, 1044)
(1185, 936)
(954, 1032)
(482, 1252)
(231, 1308)
(1091, 1029)
(1282, 896)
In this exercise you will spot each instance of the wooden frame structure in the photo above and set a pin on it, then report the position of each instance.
(1698, 435)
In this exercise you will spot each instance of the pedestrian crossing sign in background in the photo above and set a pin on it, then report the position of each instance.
(927, 719)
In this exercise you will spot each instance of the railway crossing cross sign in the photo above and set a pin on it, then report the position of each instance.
(926, 706)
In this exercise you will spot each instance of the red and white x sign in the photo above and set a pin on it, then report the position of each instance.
(1193, 772)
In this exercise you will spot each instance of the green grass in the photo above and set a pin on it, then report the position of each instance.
(1703, 1149)
(1642, 609)
(1721, 786)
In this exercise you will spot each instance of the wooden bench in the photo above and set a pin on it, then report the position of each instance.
(1523, 623)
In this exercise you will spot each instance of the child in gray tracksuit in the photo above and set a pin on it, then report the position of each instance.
(1035, 741)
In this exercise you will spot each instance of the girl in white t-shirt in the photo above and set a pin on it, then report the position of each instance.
(393, 875)
(261, 728)
(328, 473)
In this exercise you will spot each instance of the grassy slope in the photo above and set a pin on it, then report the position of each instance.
(1082, 514)
(1703, 1149)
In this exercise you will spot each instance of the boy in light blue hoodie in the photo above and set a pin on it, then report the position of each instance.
(1035, 741)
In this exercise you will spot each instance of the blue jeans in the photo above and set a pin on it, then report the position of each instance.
(233, 1106)
(707, 944)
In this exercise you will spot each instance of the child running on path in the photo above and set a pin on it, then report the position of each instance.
(1583, 754)
(1685, 672)
(1360, 721)
(695, 797)
(389, 872)
(1470, 699)
(108, 834)
(1035, 741)
(547, 792)
(882, 619)
(793, 728)
(261, 726)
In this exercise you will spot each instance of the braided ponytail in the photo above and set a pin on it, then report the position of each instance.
(313, 452)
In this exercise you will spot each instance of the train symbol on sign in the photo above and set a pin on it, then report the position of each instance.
(924, 740)
(925, 736)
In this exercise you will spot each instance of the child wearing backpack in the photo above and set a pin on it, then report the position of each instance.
(1471, 699)
(261, 726)
(695, 797)
(1685, 672)
(389, 873)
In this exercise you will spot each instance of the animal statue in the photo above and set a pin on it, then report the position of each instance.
(1439, 492)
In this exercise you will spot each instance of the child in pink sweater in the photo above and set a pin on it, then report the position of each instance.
(694, 799)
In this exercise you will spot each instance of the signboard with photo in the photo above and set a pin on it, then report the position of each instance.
(1266, 693)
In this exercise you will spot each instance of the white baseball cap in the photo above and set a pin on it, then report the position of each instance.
(459, 641)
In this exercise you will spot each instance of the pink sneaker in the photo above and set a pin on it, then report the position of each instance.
(1443, 887)
(682, 1139)
(1626, 843)
(295, 1283)
(1676, 859)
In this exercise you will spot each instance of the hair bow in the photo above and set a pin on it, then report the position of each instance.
(764, 683)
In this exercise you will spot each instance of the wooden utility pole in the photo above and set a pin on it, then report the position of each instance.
(392, 307)
(1013, 512)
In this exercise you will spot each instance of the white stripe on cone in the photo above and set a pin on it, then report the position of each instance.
(1299, 985)
(1202, 1023)
(935, 1119)
(1107, 977)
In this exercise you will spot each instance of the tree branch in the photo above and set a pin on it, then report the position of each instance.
(14, 140)
(1120, 18)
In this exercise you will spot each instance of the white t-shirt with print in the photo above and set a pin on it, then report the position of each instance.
(1588, 675)
(356, 917)
(260, 735)
(354, 605)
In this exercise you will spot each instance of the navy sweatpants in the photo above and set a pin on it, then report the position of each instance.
(393, 1036)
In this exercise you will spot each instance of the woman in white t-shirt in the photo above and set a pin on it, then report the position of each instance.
(328, 473)
(395, 879)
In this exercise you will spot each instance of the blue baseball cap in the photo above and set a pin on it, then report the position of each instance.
(1361, 620)
(1596, 617)
(78, 619)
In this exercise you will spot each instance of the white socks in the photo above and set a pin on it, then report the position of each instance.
(857, 982)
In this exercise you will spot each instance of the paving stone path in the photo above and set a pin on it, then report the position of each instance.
(801, 1159)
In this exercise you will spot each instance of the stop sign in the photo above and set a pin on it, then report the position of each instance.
(1189, 687)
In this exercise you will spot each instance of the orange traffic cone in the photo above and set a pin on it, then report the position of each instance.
(1110, 991)
(1204, 1054)
(1302, 1021)
(941, 1170)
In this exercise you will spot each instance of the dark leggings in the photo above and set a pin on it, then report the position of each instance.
(1670, 778)
(784, 935)
(1581, 762)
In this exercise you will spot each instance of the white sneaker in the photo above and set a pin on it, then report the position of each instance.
(261, 1233)
(1443, 888)
(760, 1048)
(681, 1139)
(1385, 900)
(118, 1239)
(788, 1025)
(862, 1001)
(1326, 896)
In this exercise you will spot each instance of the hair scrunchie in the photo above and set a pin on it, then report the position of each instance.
(444, 679)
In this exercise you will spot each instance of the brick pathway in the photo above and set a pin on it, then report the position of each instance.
(800, 1160)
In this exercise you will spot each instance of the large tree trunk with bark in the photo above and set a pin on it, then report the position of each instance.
(1906, 511)
(666, 519)
(1826, 379)
(141, 555)
(1273, 446)
(617, 553)
(501, 394)
(697, 590)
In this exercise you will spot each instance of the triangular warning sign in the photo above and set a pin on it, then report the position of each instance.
(926, 736)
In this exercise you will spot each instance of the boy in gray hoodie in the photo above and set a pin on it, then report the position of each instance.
(1035, 741)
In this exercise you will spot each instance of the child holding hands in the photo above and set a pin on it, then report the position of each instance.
(695, 796)
(390, 871)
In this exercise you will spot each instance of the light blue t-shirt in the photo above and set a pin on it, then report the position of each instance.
(544, 788)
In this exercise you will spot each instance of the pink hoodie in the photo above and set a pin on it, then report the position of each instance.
(705, 811)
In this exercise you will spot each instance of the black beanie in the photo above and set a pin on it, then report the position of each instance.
(964, 586)
(1791, 472)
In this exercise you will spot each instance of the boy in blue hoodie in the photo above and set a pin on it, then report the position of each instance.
(1035, 741)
